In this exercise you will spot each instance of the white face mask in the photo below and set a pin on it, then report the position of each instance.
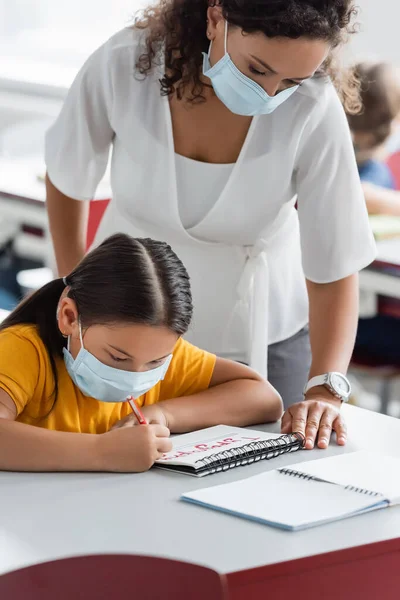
(97, 380)
(239, 93)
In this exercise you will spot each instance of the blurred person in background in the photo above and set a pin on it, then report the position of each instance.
(378, 338)
(371, 129)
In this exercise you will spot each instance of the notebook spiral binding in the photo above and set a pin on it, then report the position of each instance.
(255, 451)
(297, 474)
(359, 490)
(351, 488)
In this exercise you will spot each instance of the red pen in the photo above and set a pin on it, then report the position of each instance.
(136, 410)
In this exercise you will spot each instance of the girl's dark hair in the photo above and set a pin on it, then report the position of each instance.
(177, 30)
(380, 96)
(125, 279)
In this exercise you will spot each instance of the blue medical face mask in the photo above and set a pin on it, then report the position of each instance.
(239, 93)
(97, 380)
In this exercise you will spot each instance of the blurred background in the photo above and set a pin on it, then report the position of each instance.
(42, 45)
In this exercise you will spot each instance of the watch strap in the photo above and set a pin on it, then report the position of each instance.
(326, 380)
(317, 380)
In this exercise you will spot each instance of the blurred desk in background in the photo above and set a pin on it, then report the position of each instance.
(22, 205)
(380, 282)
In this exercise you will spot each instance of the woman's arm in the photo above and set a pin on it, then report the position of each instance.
(77, 148)
(336, 240)
(381, 201)
(333, 326)
(237, 396)
(28, 448)
(68, 219)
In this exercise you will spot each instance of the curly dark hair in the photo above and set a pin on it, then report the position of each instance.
(177, 34)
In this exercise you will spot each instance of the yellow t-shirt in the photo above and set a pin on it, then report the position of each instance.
(25, 374)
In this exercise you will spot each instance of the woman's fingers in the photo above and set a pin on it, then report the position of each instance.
(325, 427)
(315, 420)
(315, 411)
(298, 414)
(340, 428)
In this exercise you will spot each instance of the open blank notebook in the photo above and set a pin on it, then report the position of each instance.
(309, 493)
(221, 448)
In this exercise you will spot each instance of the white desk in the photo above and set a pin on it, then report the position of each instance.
(46, 516)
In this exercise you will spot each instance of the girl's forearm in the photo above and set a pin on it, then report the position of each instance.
(238, 403)
(27, 448)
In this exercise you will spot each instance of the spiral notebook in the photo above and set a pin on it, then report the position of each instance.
(309, 493)
(222, 448)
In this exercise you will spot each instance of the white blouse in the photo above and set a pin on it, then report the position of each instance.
(246, 248)
(199, 185)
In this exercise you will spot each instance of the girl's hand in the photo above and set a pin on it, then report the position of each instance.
(153, 414)
(132, 449)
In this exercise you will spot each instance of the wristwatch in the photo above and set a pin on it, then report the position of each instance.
(336, 383)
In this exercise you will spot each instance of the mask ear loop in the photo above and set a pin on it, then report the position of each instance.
(209, 50)
(80, 332)
(80, 336)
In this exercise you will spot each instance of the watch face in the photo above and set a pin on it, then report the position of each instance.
(340, 384)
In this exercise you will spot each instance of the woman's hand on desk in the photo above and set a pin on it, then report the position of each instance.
(316, 417)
